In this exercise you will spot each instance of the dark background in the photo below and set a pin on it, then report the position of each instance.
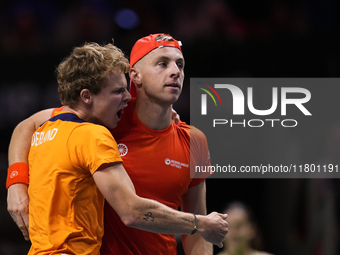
(220, 39)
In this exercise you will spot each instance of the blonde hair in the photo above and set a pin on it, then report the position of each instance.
(85, 68)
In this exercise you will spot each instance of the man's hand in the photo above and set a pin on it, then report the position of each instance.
(175, 117)
(214, 229)
(17, 206)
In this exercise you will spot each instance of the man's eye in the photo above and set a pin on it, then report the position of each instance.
(162, 64)
(118, 91)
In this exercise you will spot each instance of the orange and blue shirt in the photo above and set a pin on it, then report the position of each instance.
(66, 207)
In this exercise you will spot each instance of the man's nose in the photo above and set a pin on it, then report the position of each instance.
(127, 96)
(175, 71)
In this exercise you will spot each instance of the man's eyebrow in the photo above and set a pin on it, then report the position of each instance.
(164, 58)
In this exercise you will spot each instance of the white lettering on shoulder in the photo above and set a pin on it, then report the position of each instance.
(40, 137)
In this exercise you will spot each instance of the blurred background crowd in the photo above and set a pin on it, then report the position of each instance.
(221, 38)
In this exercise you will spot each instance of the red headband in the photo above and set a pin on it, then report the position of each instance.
(143, 46)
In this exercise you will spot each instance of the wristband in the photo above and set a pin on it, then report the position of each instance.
(17, 173)
(195, 227)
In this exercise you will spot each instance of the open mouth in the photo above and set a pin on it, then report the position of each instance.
(119, 113)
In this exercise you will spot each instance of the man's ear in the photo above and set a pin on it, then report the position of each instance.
(135, 76)
(86, 96)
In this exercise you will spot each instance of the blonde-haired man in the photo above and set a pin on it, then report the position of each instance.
(149, 142)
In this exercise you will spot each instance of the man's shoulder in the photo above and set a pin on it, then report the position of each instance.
(91, 136)
(193, 131)
(91, 129)
(72, 124)
(182, 126)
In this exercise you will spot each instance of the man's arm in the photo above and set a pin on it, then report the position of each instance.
(134, 211)
(194, 201)
(17, 196)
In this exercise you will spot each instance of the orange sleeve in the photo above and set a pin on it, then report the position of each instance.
(92, 145)
(199, 155)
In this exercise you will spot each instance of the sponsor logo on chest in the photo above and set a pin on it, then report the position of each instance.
(123, 151)
(175, 163)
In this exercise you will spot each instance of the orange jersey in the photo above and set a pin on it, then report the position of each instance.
(66, 207)
(158, 163)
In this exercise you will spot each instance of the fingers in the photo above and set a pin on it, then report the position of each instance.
(26, 234)
(177, 119)
(218, 228)
(17, 218)
(223, 216)
(17, 206)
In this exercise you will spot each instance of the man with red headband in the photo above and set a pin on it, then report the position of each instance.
(156, 152)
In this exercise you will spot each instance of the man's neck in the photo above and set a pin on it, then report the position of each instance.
(79, 111)
(152, 114)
